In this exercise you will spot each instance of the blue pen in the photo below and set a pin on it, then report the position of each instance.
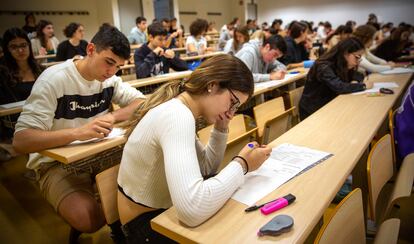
(294, 72)
(251, 145)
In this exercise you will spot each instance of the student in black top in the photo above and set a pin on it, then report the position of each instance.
(296, 52)
(18, 72)
(332, 74)
(393, 47)
(74, 47)
(152, 58)
(30, 25)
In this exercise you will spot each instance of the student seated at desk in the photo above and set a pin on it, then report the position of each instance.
(151, 59)
(394, 46)
(45, 41)
(70, 101)
(174, 38)
(137, 34)
(75, 46)
(226, 33)
(260, 58)
(296, 51)
(341, 33)
(18, 72)
(164, 164)
(332, 74)
(196, 43)
(241, 36)
(369, 62)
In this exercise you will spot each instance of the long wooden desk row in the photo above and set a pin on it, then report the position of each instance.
(344, 127)
(130, 66)
(174, 76)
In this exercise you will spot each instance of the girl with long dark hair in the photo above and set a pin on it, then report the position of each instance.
(332, 74)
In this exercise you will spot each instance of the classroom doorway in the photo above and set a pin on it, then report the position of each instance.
(164, 9)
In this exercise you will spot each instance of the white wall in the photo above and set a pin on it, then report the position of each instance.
(100, 11)
(129, 10)
(228, 9)
(336, 11)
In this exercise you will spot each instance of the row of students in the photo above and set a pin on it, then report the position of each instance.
(70, 101)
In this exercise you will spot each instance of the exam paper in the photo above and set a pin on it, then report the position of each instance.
(116, 132)
(397, 71)
(285, 162)
(272, 83)
(377, 86)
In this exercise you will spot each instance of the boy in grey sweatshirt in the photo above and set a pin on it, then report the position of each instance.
(261, 58)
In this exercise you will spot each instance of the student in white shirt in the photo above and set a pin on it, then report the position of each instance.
(137, 34)
(241, 36)
(164, 164)
(70, 101)
(196, 43)
(369, 62)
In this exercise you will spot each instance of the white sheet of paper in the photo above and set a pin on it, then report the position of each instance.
(377, 87)
(397, 71)
(116, 132)
(271, 83)
(13, 105)
(285, 162)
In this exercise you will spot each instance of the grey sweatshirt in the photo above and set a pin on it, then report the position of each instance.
(251, 56)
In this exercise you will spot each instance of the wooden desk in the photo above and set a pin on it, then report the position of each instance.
(45, 56)
(10, 111)
(159, 79)
(201, 56)
(303, 73)
(344, 127)
(48, 64)
(72, 153)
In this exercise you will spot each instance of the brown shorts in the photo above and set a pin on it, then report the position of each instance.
(57, 183)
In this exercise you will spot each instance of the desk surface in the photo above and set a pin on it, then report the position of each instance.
(159, 79)
(72, 153)
(201, 56)
(9, 111)
(301, 75)
(343, 127)
(45, 56)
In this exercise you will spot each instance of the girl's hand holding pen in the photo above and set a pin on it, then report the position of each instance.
(255, 155)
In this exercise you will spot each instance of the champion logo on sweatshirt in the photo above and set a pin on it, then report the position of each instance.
(78, 106)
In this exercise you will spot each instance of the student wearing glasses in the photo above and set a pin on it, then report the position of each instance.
(18, 72)
(70, 101)
(332, 74)
(164, 164)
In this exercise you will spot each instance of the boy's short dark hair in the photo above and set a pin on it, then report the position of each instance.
(156, 29)
(71, 29)
(276, 42)
(109, 37)
(139, 19)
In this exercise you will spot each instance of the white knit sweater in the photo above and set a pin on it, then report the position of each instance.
(163, 164)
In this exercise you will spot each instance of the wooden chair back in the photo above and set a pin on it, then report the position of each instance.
(107, 185)
(267, 111)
